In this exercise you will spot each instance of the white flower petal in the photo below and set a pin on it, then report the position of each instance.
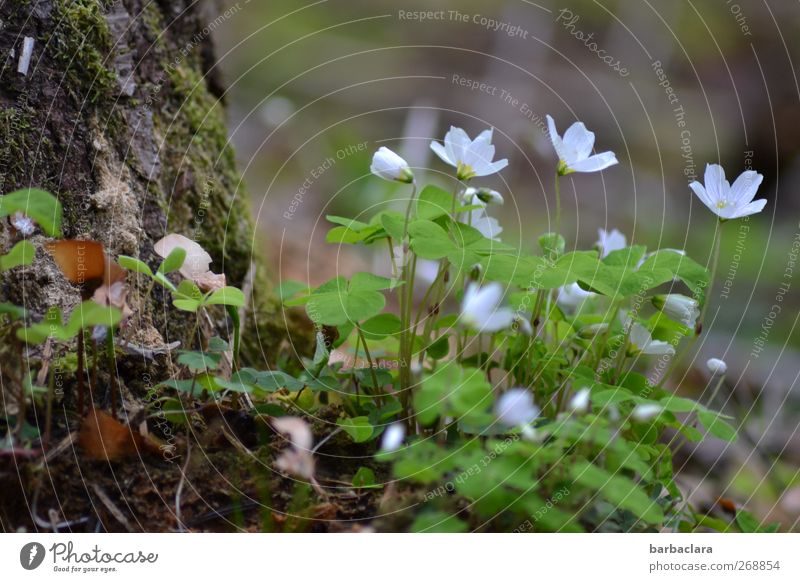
(388, 165)
(556, 140)
(441, 151)
(701, 193)
(393, 437)
(744, 188)
(716, 185)
(752, 208)
(578, 141)
(717, 366)
(516, 408)
(595, 163)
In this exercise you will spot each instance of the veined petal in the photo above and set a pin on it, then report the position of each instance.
(701, 193)
(716, 185)
(752, 208)
(555, 139)
(441, 151)
(595, 163)
(745, 187)
(456, 142)
(493, 168)
(579, 141)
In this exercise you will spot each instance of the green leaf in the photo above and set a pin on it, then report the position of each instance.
(14, 311)
(89, 314)
(21, 253)
(288, 289)
(188, 296)
(369, 282)
(381, 326)
(433, 202)
(678, 404)
(39, 205)
(51, 326)
(747, 522)
(135, 265)
(439, 348)
(164, 282)
(336, 303)
(438, 522)
(230, 296)
(393, 223)
(199, 361)
(429, 240)
(627, 257)
(694, 275)
(552, 244)
(364, 479)
(618, 490)
(173, 262)
(451, 390)
(357, 427)
(716, 425)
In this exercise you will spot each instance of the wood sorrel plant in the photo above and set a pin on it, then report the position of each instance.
(520, 374)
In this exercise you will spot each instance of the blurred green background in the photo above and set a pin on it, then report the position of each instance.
(315, 88)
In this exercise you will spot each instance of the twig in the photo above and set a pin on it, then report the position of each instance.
(113, 509)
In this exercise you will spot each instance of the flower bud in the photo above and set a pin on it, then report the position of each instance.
(388, 165)
(716, 366)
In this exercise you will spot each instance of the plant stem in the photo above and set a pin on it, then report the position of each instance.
(558, 203)
(714, 264)
(369, 358)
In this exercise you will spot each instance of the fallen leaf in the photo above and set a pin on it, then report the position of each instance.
(103, 438)
(196, 266)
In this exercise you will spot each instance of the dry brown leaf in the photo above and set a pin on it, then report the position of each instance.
(103, 438)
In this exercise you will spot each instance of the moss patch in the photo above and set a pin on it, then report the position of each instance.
(82, 43)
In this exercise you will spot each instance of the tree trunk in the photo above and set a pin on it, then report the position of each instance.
(116, 111)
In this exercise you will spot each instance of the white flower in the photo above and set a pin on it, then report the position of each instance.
(486, 225)
(728, 201)
(393, 437)
(580, 402)
(575, 147)
(388, 165)
(716, 366)
(516, 408)
(23, 224)
(471, 158)
(678, 307)
(482, 196)
(523, 324)
(644, 342)
(480, 309)
(571, 297)
(645, 412)
(608, 242)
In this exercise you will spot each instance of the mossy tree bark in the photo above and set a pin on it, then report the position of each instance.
(117, 111)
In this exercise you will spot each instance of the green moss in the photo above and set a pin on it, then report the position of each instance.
(82, 43)
(204, 174)
(23, 146)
